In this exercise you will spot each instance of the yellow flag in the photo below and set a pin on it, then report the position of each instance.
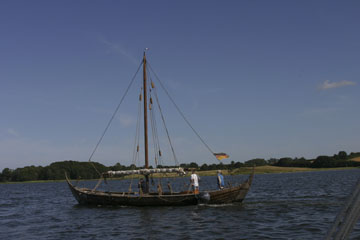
(221, 156)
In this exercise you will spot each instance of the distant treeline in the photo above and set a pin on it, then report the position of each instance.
(87, 170)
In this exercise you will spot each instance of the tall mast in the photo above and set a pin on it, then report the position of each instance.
(145, 116)
(145, 124)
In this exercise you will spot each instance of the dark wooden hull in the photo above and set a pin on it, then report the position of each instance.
(228, 195)
(231, 194)
(88, 197)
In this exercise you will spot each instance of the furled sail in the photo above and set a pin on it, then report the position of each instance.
(145, 171)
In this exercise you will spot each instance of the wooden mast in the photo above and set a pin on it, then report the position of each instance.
(145, 124)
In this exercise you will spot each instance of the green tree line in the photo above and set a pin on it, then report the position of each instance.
(86, 170)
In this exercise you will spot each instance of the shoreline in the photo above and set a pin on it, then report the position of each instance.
(237, 171)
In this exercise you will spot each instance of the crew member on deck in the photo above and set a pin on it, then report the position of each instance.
(142, 186)
(220, 180)
(194, 182)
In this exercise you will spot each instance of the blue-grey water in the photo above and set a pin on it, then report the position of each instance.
(278, 206)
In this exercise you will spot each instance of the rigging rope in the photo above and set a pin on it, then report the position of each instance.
(347, 217)
(137, 139)
(155, 137)
(137, 134)
(178, 109)
(114, 114)
(166, 130)
(164, 123)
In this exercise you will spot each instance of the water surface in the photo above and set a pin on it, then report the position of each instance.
(278, 206)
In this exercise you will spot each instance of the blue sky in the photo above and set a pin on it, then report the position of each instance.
(257, 79)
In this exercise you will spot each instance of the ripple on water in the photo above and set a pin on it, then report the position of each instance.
(279, 206)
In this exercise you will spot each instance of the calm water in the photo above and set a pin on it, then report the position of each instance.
(279, 206)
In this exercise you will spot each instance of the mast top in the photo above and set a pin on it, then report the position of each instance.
(145, 49)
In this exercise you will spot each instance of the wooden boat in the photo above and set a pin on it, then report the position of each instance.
(231, 194)
(93, 197)
(148, 197)
(227, 195)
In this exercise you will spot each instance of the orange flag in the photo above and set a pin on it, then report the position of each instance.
(221, 156)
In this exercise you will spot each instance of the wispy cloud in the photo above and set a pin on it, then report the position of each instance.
(127, 120)
(319, 111)
(213, 90)
(12, 132)
(117, 48)
(328, 85)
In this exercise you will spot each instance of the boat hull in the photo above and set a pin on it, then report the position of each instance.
(229, 195)
(87, 196)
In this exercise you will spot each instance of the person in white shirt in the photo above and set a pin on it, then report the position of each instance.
(194, 182)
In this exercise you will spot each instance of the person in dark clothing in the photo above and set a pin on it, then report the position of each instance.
(142, 186)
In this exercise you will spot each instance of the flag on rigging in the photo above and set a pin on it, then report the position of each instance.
(221, 156)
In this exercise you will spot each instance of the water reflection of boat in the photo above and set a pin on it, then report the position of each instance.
(149, 197)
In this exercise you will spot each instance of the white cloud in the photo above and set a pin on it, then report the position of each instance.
(127, 120)
(12, 132)
(119, 49)
(328, 85)
(319, 111)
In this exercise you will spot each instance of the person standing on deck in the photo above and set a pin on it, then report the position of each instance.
(142, 186)
(194, 182)
(220, 180)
